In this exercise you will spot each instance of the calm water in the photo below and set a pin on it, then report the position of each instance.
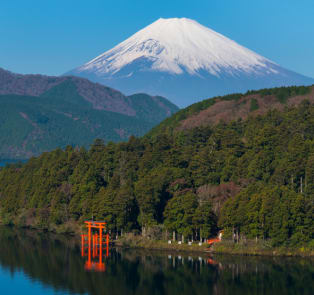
(38, 263)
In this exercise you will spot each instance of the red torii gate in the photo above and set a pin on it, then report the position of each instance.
(97, 245)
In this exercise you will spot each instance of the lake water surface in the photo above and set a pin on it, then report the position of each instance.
(39, 263)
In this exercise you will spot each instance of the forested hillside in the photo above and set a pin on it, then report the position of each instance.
(254, 177)
(40, 113)
(235, 107)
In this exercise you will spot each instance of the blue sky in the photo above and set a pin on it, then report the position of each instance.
(54, 36)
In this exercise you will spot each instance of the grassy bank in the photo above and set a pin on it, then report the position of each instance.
(144, 243)
(252, 247)
(249, 247)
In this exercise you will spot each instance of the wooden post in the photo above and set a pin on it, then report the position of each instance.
(94, 246)
(89, 251)
(89, 242)
(82, 245)
(89, 234)
(100, 243)
(100, 237)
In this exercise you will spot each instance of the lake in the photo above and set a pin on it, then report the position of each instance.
(33, 262)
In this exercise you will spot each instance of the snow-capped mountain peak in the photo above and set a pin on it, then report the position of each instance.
(176, 45)
(185, 61)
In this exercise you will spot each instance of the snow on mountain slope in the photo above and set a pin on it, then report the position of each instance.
(185, 61)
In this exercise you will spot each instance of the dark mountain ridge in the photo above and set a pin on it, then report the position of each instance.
(100, 96)
(40, 113)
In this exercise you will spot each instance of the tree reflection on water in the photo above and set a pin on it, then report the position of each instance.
(55, 261)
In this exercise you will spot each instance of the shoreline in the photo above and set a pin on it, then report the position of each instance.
(250, 248)
(224, 247)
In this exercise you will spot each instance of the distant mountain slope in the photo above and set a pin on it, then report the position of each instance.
(40, 113)
(185, 61)
(234, 107)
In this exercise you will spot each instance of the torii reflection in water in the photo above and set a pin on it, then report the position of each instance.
(97, 246)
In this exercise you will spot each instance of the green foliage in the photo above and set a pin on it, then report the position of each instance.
(282, 94)
(150, 109)
(254, 105)
(30, 125)
(205, 220)
(173, 121)
(275, 212)
(152, 194)
(179, 213)
(253, 177)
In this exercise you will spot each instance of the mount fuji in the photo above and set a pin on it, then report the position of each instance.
(185, 61)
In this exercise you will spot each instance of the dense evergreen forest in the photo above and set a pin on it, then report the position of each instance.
(253, 178)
